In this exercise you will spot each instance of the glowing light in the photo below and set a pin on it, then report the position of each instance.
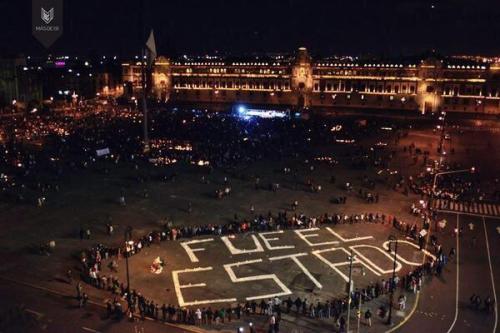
(246, 113)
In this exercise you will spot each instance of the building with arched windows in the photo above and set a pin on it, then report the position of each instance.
(427, 85)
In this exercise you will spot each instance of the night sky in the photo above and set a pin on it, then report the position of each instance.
(378, 27)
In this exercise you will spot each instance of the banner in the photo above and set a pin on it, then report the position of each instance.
(102, 152)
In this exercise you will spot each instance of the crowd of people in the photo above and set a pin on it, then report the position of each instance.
(39, 150)
(139, 306)
(218, 140)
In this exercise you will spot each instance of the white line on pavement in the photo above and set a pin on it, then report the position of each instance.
(89, 329)
(492, 278)
(480, 215)
(39, 314)
(458, 275)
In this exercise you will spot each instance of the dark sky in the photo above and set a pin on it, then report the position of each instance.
(380, 27)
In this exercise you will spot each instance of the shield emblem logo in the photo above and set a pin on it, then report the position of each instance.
(47, 27)
(47, 15)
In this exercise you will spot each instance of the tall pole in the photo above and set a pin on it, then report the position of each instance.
(143, 78)
(359, 313)
(391, 302)
(128, 236)
(351, 257)
(144, 103)
(128, 274)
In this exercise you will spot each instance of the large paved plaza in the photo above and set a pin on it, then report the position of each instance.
(309, 262)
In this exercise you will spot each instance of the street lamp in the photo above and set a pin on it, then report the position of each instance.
(394, 239)
(128, 243)
(351, 258)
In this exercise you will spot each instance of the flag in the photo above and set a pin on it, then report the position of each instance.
(151, 48)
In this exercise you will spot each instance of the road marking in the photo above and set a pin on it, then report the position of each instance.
(491, 274)
(415, 305)
(471, 214)
(458, 277)
(479, 208)
(89, 329)
(36, 313)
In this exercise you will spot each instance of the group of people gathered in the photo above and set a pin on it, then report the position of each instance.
(139, 306)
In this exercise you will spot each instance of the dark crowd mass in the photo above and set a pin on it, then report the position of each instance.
(39, 151)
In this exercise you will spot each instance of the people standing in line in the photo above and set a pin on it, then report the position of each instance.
(368, 318)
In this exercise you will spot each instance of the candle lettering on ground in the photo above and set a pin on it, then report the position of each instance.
(229, 269)
(235, 251)
(368, 261)
(334, 266)
(267, 241)
(178, 288)
(190, 252)
(347, 240)
(305, 237)
(301, 266)
(400, 258)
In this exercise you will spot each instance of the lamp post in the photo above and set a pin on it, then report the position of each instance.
(391, 299)
(128, 237)
(441, 137)
(351, 258)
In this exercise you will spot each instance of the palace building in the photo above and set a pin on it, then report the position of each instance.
(426, 85)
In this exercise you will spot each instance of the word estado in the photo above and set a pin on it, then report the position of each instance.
(268, 241)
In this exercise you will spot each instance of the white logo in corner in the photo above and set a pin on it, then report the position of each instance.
(47, 15)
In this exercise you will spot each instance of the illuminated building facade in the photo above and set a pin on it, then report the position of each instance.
(427, 85)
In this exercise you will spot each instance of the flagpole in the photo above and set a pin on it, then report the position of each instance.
(144, 103)
(144, 83)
